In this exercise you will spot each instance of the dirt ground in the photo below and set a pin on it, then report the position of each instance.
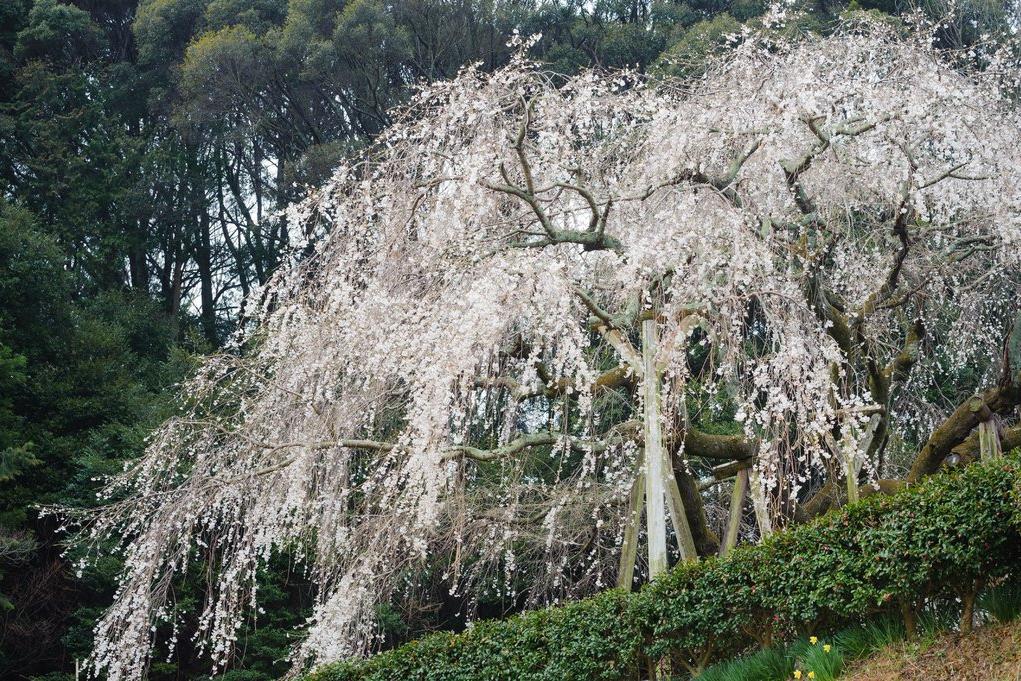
(991, 653)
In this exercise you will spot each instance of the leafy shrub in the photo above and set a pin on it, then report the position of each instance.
(882, 555)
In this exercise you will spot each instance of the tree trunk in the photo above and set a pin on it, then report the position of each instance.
(706, 541)
(907, 613)
(204, 262)
(138, 267)
(176, 288)
(967, 611)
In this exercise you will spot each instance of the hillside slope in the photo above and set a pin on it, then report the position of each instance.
(991, 653)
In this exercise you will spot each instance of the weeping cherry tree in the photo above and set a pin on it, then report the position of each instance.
(531, 295)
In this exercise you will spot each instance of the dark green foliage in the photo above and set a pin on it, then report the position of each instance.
(933, 541)
(1013, 346)
(15, 452)
(590, 639)
(60, 33)
(689, 55)
(81, 383)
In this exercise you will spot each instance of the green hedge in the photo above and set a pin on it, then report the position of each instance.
(885, 553)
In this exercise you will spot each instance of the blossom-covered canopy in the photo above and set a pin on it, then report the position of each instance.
(462, 372)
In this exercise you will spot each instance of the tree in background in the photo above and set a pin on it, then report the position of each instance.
(86, 382)
(531, 293)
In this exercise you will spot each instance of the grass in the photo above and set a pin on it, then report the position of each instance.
(828, 657)
(769, 663)
(1002, 602)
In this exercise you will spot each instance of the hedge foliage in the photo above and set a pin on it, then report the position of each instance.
(939, 539)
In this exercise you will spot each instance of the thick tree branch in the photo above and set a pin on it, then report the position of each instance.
(612, 329)
(958, 426)
(833, 495)
(795, 168)
(704, 445)
(1010, 438)
(724, 184)
(707, 543)
(619, 433)
(612, 378)
(900, 366)
(593, 239)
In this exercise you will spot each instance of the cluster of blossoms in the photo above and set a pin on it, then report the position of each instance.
(455, 376)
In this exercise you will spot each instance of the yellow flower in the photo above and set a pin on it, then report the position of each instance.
(813, 640)
(826, 648)
(811, 675)
(797, 673)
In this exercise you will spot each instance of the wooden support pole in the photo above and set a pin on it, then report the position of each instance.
(678, 516)
(989, 440)
(729, 470)
(736, 504)
(629, 549)
(851, 475)
(857, 449)
(655, 476)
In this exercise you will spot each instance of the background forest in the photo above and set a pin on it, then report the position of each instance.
(148, 153)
